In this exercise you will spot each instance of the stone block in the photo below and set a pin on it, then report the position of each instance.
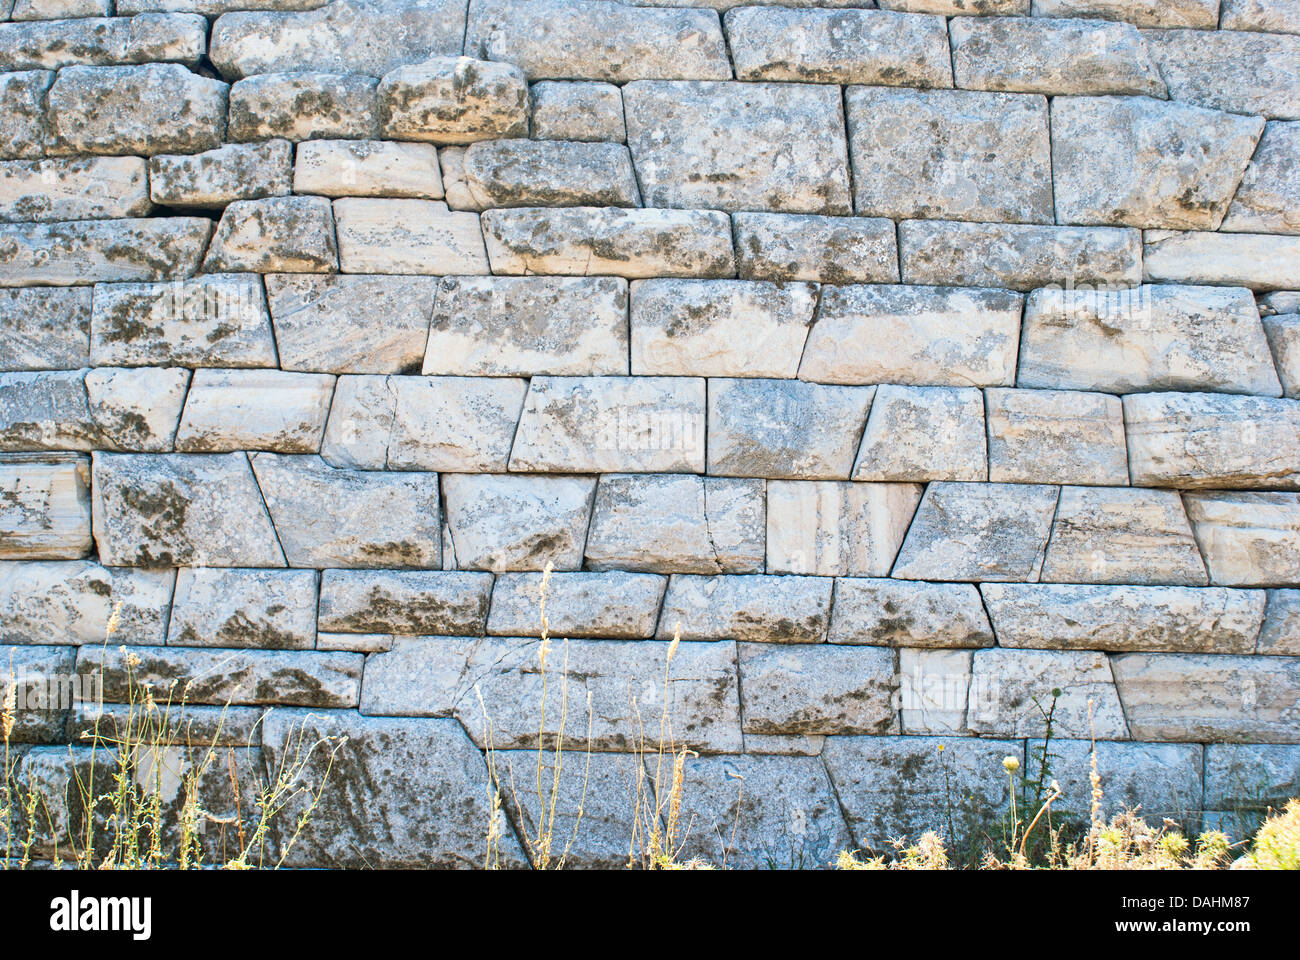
(1055, 436)
(244, 608)
(454, 100)
(214, 178)
(82, 188)
(275, 235)
(255, 410)
(407, 237)
(613, 605)
(780, 246)
(76, 252)
(1249, 539)
(1260, 261)
(924, 433)
(47, 507)
(304, 105)
(1268, 198)
(818, 689)
(554, 173)
(45, 328)
(404, 602)
(502, 523)
(367, 168)
(75, 601)
(577, 110)
(901, 613)
(747, 608)
(1012, 691)
(837, 529)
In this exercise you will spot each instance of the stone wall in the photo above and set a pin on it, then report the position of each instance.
(917, 362)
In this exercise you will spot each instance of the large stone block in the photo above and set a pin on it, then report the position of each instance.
(614, 605)
(1261, 261)
(154, 510)
(739, 146)
(47, 507)
(1163, 779)
(526, 173)
(214, 178)
(92, 251)
(1019, 256)
(23, 10)
(244, 608)
(1152, 337)
(577, 39)
(82, 188)
(1197, 14)
(1168, 165)
(367, 168)
(1250, 775)
(577, 110)
(1280, 634)
(1252, 73)
(24, 129)
(410, 602)
(818, 689)
(978, 531)
(785, 428)
(752, 608)
(407, 236)
(1201, 697)
(42, 678)
(950, 154)
(677, 524)
(1125, 618)
(305, 105)
(155, 108)
(45, 328)
(1265, 16)
(1212, 440)
(777, 246)
(924, 433)
(1055, 436)
(255, 410)
(611, 425)
(935, 685)
(218, 319)
(839, 46)
(590, 241)
(1268, 198)
(1248, 538)
(350, 518)
(137, 409)
(502, 523)
(454, 100)
(914, 336)
(274, 235)
(326, 322)
(899, 613)
(103, 41)
(80, 602)
(1012, 691)
(837, 529)
(46, 410)
(345, 36)
(493, 326)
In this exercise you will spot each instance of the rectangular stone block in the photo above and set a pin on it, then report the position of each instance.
(1251, 73)
(367, 168)
(1260, 261)
(588, 241)
(577, 110)
(137, 409)
(24, 129)
(84, 188)
(1268, 197)
(80, 602)
(306, 105)
(214, 178)
(255, 410)
(275, 235)
(1194, 14)
(20, 10)
(101, 40)
(818, 689)
(837, 529)
(522, 326)
(43, 683)
(92, 251)
(749, 608)
(45, 328)
(407, 236)
(924, 433)
(1163, 778)
(935, 685)
(47, 507)
(501, 522)
(677, 524)
(454, 100)
(526, 173)
(1055, 436)
(733, 146)
(404, 602)
(1011, 692)
(46, 410)
(244, 608)
(899, 613)
(1280, 634)
(614, 605)
(776, 246)
(1265, 16)
(1255, 776)
(1248, 539)
(915, 336)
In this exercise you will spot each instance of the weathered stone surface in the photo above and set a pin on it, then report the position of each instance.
(1006, 683)
(407, 236)
(891, 786)
(1212, 440)
(1200, 697)
(837, 529)
(587, 241)
(452, 162)
(103, 41)
(357, 642)
(1248, 539)
(950, 154)
(957, 8)
(502, 523)
(255, 410)
(39, 673)
(778, 746)
(1168, 165)
(326, 323)
(525, 173)
(46, 410)
(302, 678)
(785, 428)
(1198, 14)
(493, 326)
(1265, 16)
(1122, 535)
(1153, 337)
(304, 105)
(1280, 634)
(935, 685)
(58, 9)
(82, 188)
(897, 613)
(1042, 55)
(1278, 301)
(47, 507)
(190, 723)
(459, 424)
(1268, 199)
(1125, 618)
(915, 336)
(275, 234)
(720, 328)
(349, 518)
(839, 46)
(577, 111)
(1164, 779)
(1251, 73)
(45, 328)
(90, 251)
(677, 524)
(560, 39)
(1260, 261)
(217, 177)
(1019, 256)
(367, 168)
(404, 602)
(426, 676)
(1055, 436)
(611, 424)
(154, 108)
(615, 605)
(817, 688)
(733, 146)
(181, 510)
(775, 246)
(345, 36)
(136, 408)
(74, 602)
(23, 130)
(244, 608)
(454, 100)
(219, 319)
(1252, 775)
(924, 433)
(978, 531)
(753, 608)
